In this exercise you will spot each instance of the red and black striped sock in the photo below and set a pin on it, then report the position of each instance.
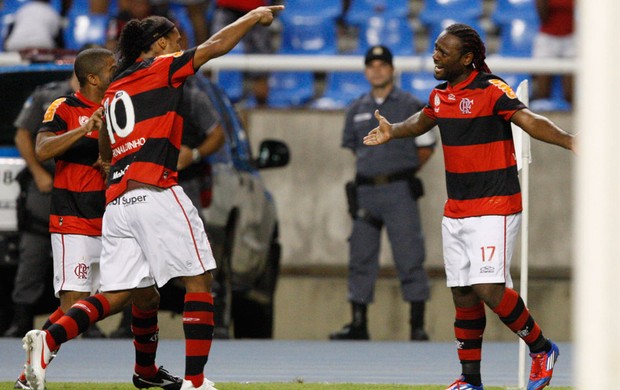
(78, 318)
(198, 328)
(53, 318)
(145, 339)
(513, 313)
(469, 327)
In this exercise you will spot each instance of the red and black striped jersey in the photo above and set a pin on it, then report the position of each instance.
(474, 121)
(143, 122)
(78, 196)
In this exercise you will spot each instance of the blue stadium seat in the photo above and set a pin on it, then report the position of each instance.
(7, 17)
(231, 81)
(341, 88)
(361, 10)
(290, 89)
(419, 84)
(506, 10)
(555, 102)
(436, 28)
(308, 35)
(395, 33)
(517, 37)
(85, 28)
(181, 18)
(318, 8)
(10, 6)
(435, 11)
(78, 7)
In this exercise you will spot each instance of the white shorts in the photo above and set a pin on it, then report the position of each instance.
(76, 262)
(551, 46)
(478, 250)
(152, 235)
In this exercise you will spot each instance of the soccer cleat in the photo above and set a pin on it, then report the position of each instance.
(460, 384)
(22, 383)
(163, 379)
(38, 356)
(542, 368)
(206, 385)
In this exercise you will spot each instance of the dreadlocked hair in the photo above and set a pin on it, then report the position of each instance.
(129, 45)
(138, 36)
(471, 42)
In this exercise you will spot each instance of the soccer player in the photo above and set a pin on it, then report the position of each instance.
(69, 134)
(151, 230)
(473, 110)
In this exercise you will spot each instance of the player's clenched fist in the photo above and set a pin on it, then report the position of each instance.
(96, 121)
(265, 14)
(380, 134)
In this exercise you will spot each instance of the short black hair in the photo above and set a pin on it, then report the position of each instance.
(90, 61)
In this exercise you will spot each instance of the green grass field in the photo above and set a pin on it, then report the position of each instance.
(258, 386)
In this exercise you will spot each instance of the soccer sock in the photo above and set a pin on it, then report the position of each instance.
(468, 328)
(78, 318)
(513, 313)
(145, 339)
(53, 318)
(198, 328)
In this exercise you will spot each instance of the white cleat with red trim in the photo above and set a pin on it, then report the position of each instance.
(38, 356)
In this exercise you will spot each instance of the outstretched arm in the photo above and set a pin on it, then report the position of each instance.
(224, 40)
(415, 125)
(543, 129)
(50, 145)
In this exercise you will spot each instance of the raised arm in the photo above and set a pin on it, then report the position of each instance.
(415, 125)
(224, 40)
(543, 129)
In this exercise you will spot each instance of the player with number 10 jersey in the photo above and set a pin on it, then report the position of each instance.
(143, 123)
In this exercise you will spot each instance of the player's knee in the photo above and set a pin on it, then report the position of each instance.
(69, 298)
(199, 283)
(147, 299)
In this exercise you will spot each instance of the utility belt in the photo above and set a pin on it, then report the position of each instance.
(415, 185)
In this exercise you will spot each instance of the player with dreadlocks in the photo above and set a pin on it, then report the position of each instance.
(473, 109)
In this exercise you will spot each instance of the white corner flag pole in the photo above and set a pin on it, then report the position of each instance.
(524, 158)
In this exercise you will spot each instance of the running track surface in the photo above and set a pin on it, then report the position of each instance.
(287, 361)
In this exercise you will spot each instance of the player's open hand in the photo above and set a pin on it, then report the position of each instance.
(266, 13)
(380, 134)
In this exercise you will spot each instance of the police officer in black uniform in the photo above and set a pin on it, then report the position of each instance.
(384, 193)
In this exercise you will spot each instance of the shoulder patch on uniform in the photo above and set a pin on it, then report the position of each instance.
(51, 110)
(503, 87)
(177, 54)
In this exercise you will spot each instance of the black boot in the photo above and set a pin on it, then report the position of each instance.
(417, 322)
(23, 321)
(357, 329)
